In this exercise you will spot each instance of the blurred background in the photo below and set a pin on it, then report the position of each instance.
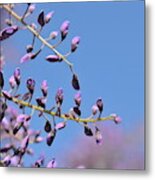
(109, 63)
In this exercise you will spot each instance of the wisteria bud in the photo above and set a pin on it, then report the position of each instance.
(24, 143)
(26, 57)
(30, 85)
(7, 32)
(60, 125)
(75, 42)
(77, 110)
(41, 102)
(17, 76)
(12, 82)
(7, 95)
(88, 131)
(31, 8)
(53, 58)
(54, 34)
(95, 109)
(50, 138)
(99, 104)
(98, 136)
(75, 82)
(47, 127)
(52, 164)
(59, 96)
(64, 29)
(49, 16)
(29, 48)
(117, 119)
(44, 88)
(77, 99)
(41, 19)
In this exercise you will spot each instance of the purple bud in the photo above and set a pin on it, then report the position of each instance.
(15, 161)
(7, 160)
(47, 127)
(88, 131)
(54, 34)
(26, 58)
(52, 164)
(75, 42)
(60, 125)
(77, 99)
(6, 148)
(98, 136)
(5, 124)
(117, 119)
(48, 17)
(17, 76)
(7, 32)
(31, 8)
(41, 19)
(53, 58)
(23, 117)
(77, 110)
(41, 102)
(7, 95)
(95, 109)
(75, 82)
(64, 29)
(50, 138)
(59, 96)
(30, 85)
(99, 104)
(29, 48)
(39, 162)
(44, 88)
(12, 82)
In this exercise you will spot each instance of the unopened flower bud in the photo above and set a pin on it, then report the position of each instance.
(60, 125)
(98, 136)
(59, 96)
(12, 82)
(99, 104)
(44, 88)
(64, 29)
(7, 32)
(77, 98)
(31, 8)
(95, 109)
(54, 34)
(30, 85)
(48, 17)
(53, 58)
(75, 82)
(52, 164)
(17, 76)
(75, 42)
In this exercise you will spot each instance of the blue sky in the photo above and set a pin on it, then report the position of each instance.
(109, 62)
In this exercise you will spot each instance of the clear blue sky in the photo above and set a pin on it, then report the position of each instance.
(109, 62)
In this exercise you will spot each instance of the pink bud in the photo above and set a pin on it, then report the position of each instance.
(64, 29)
(60, 125)
(53, 58)
(48, 17)
(52, 164)
(31, 8)
(54, 34)
(26, 58)
(12, 82)
(44, 87)
(75, 42)
(77, 98)
(94, 109)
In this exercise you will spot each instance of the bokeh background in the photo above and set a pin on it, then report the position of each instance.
(110, 64)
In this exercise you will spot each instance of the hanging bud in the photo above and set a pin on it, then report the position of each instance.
(12, 82)
(95, 109)
(52, 164)
(7, 32)
(7, 95)
(30, 85)
(53, 58)
(59, 96)
(99, 104)
(48, 17)
(98, 136)
(88, 131)
(1, 80)
(24, 143)
(47, 127)
(17, 76)
(50, 138)
(117, 119)
(60, 125)
(75, 82)
(77, 110)
(64, 29)
(39, 162)
(44, 88)
(54, 34)
(27, 57)
(31, 8)
(41, 19)
(77, 98)
(75, 42)
(41, 102)
(29, 48)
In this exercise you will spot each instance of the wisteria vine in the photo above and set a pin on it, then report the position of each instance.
(16, 134)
